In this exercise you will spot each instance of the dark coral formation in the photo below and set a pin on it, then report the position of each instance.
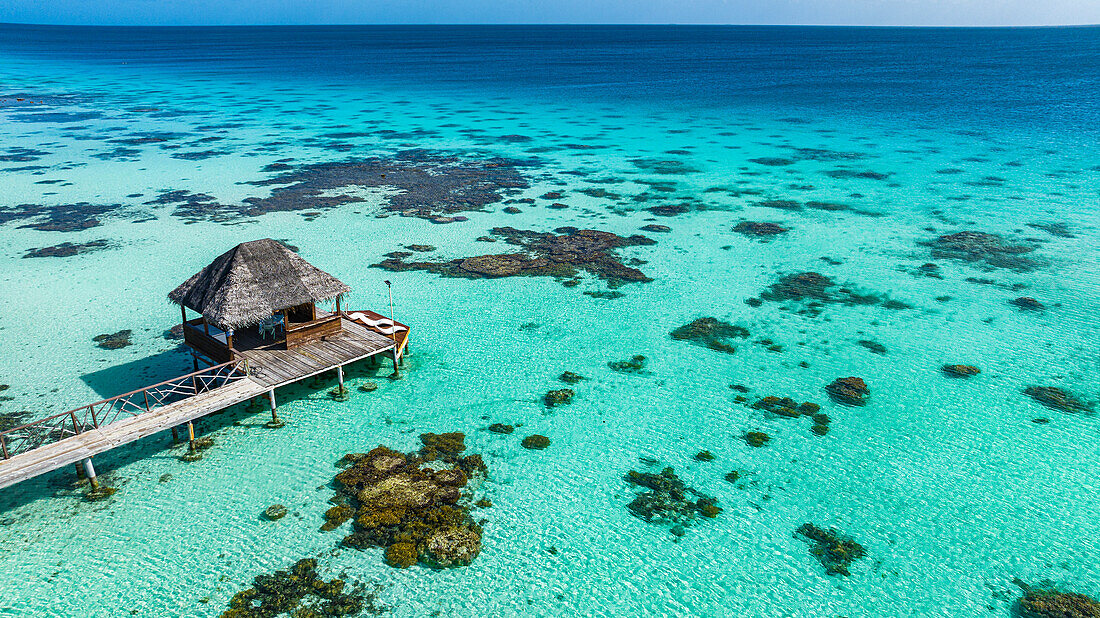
(113, 341)
(760, 229)
(501, 428)
(411, 508)
(990, 250)
(785, 406)
(711, 333)
(850, 391)
(1027, 303)
(835, 551)
(815, 290)
(558, 397)
(789, 408)
(299, 591)
(428, 184)
(960, 371)
(756, 439)
(571, 378)
(275, 512)
(561, 254)
(535, 442)
(1058, 228)
(666, 500)
(61, 218)
(634, 364)
(1053, 603)
(874, 346)
(67, 249)
(1057, 399)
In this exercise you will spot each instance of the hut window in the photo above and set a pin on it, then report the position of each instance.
(302, 313)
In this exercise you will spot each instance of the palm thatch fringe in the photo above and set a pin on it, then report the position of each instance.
(253, 281)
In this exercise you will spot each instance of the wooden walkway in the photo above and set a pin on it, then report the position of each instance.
(94, 441)
(71, 437)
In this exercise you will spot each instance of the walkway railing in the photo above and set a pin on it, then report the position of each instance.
(76, 421)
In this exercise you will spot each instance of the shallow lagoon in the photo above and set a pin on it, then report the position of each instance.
(949, 484)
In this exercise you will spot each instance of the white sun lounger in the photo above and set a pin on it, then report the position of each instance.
(382, 324)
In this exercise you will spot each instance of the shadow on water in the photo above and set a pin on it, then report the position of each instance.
(139, 373)
(110, 466)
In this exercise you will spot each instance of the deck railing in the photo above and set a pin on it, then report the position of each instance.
(51, 429)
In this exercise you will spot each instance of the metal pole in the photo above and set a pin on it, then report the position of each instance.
(271, 397)
(275, 423)
(89, 471)
(393, 334)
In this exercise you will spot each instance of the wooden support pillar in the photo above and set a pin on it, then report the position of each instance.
(340, 377)
(175, 436)
(190, 436)
(89, 471)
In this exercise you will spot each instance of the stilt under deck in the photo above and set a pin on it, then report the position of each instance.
(71, 437)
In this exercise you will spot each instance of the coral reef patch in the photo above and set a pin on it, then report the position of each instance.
(985, 249)
(1057, 399)
(300, 591)
(851, 391)
(561, 254)
(417, 505)
(1050, 602)
(833, 550)
(760, 229)
(665, 499)
(815, 290)
(67, 249)
(711, 333)
(114, 341)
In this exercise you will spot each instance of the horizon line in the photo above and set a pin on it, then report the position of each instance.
(551, 24)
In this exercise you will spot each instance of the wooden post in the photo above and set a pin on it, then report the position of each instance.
(190, 436)
(183, 312)
(89, 471)
(175, 436)
(205, 326)
(340, 377)
(338, 312)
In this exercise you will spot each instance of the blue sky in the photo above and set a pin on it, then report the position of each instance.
(869, 12)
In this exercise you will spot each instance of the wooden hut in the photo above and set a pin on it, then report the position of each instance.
(257, 295)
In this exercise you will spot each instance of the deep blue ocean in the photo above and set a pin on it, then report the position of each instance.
(791, 206)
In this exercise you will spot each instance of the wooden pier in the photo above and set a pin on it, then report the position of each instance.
(77, 435)
(259, 329)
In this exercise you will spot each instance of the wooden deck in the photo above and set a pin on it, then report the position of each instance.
(274, 367)
(64, 439)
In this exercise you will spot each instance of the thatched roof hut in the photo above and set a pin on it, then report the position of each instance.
(253, 281)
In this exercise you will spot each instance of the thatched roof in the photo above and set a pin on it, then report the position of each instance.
(252, 281)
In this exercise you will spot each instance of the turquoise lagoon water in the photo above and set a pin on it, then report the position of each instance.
(949, 484)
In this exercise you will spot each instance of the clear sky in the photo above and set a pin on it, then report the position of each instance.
(862, 12)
